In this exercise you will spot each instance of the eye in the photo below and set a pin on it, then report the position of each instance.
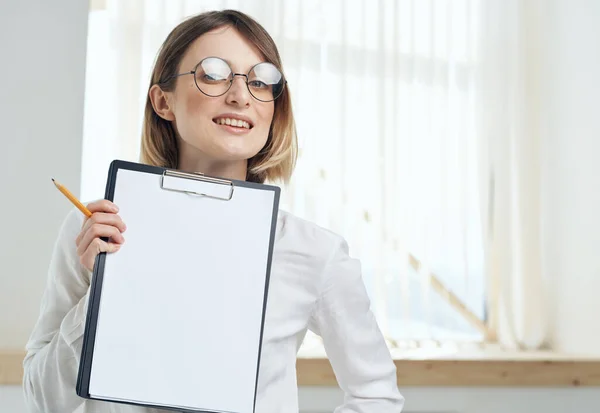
(212, 78)
(257, 84)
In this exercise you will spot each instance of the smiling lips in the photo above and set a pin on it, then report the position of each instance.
(237, 123)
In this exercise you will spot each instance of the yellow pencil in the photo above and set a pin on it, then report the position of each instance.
(72, 198)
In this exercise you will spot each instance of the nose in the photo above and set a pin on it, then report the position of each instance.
(238, 94)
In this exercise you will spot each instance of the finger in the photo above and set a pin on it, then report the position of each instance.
(99, 231)
(102, 205)
(88, 258)
(100, 218)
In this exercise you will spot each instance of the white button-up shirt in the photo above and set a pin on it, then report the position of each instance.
(314, 285)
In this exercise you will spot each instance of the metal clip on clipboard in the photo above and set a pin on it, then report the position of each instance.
(197, 184)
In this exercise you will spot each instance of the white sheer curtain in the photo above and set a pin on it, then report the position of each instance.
(510, 171)
(400, 105)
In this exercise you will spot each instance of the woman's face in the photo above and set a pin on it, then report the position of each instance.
(205, 124)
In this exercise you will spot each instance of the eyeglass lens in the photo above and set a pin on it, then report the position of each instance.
(214, 78)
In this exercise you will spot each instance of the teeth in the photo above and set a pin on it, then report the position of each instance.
(233, 122)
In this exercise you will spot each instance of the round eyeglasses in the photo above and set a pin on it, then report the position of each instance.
(214, 77)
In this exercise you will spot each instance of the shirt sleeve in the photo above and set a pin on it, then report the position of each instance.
(352, 339)
(54, 346)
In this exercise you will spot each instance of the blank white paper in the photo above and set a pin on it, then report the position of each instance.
(181, 305)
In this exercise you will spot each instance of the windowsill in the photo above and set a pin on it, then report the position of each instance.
(487, 367)
(419, 368)
(11, 367)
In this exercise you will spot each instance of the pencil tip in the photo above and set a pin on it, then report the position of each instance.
(52, 179)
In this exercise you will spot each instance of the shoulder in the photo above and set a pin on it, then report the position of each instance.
(306, 234)
(65, 267)
(71, 224)
(308, 238)
(69, 229)
(323, 254)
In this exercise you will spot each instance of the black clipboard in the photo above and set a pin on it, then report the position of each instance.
(189, 187)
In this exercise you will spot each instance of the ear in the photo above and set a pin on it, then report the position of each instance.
(161, 102)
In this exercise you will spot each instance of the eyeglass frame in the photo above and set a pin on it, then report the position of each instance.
(233, 75)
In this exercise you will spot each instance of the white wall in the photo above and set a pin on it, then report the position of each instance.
(41, 116)
(427, 400)
(571, 170)
(42, 73)
(11, 399)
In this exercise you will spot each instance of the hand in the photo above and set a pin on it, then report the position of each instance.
(104, 222)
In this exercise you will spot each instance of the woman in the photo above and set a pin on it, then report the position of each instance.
(218, 103)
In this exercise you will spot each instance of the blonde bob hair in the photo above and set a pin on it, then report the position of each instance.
(159, 147)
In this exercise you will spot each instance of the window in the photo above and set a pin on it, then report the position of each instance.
(383, 94)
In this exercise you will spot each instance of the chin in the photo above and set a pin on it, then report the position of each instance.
(233, 151)
(233, 156)
(226, 147)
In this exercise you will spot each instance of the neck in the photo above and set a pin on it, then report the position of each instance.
(221, 169)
